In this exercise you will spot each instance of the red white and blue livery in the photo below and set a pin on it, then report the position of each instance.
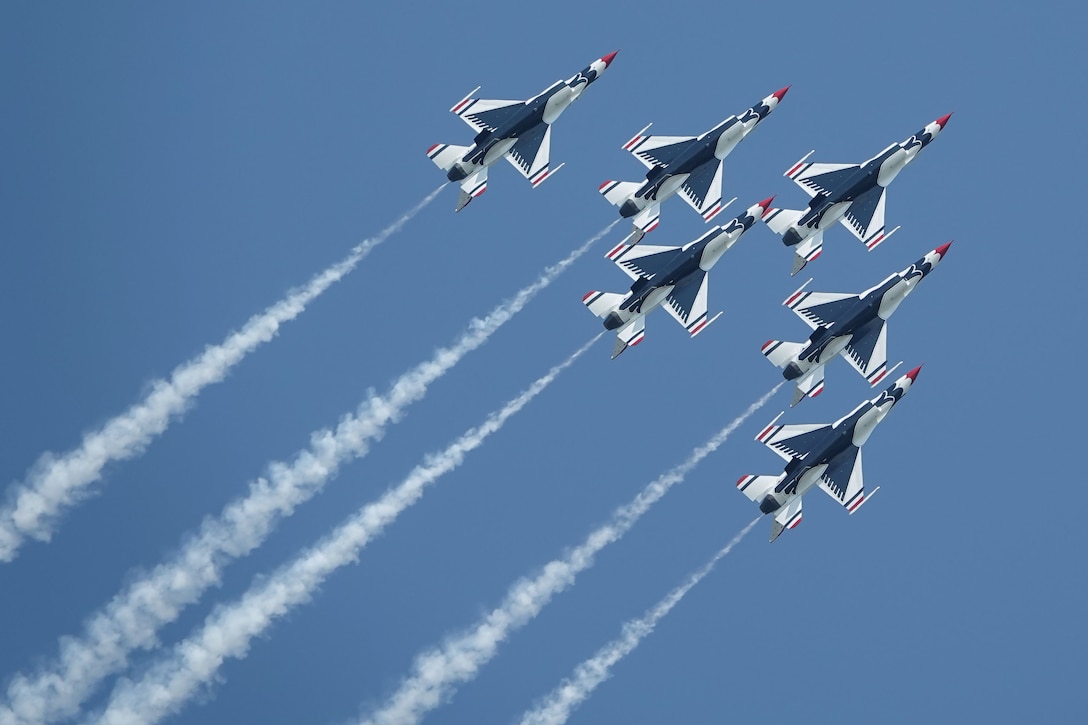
(853, 194)
(690, 165)
(853, 326)
(671, 277)
(823, 456)
(518, 131)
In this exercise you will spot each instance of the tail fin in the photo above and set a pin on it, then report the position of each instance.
(756, 487)
(618, 192)
(782, 353)
(601, 303)
(779, 220)
(445, 155)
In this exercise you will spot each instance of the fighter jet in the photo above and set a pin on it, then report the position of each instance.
(691, 165)
(675, 276)
(828, 456)
(850, 193)
(519, 131)
(854, 326)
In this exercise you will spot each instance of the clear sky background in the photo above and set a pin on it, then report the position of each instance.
(168, 171)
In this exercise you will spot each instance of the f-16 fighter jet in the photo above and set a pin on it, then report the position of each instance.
(691, 165)
(828, 456)
(519, 131)
(854, 326)
(675, 276)
(850, 193)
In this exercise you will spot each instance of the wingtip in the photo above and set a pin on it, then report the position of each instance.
(943, 120)
(781, 92)
(607, 59)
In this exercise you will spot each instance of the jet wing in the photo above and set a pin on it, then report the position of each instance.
(485, 115)
(530, 154)
(703, 189)
(655, 151)
(642, 260)
(868, 350)
(793, 441)
(821, 178)
(687, 303)
(865, 217)
(843, 480)
(820, 308)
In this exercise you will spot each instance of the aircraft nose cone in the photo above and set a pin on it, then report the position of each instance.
(943, 120)
(781, 92)
(607, 60)
(943, 249)
(913, 374)
(766, 203)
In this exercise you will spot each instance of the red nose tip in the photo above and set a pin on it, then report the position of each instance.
(943, 120)
(913, 374)
(943, 249)
(781, 92)
(766, 203)
(607, 60)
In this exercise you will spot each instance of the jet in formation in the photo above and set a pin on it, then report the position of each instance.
(853, 326)
(851, 193)
(519, 131)
(691, 165)
(828, 456)
(675, 277)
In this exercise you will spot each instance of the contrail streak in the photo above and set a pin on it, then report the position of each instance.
(130, 620)
(227, 632)
(437, 672)
(556, 707)
(56, 483)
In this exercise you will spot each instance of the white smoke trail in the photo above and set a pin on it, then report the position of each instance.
(227, 632)
(129, 621)
(56, 483)
(556, 707)
(438, 671)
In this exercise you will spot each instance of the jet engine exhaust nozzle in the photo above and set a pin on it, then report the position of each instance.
(613, 321)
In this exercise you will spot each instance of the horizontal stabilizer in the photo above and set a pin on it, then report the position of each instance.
(445, 155)
(629, 335)
(782, 353)
(472, 186)
(811, 384)
(618, 192)
(601, 303)
(756, 487)
(648, 219)
(786, 517)
(780, 220)
(807, 251)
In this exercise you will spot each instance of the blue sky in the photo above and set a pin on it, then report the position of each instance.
(171, 171)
